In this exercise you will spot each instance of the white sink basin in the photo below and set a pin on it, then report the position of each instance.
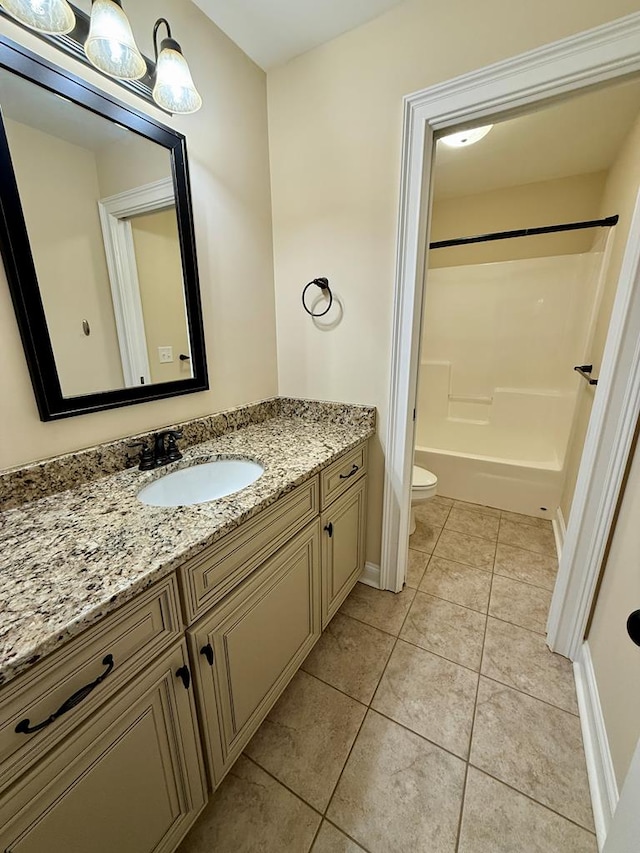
(201, 483)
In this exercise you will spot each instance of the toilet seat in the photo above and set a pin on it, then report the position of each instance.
(423, 479)
(424, 485)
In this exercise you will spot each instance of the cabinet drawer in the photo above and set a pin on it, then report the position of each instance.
(132, 635)
(214, 573)
(248, 649)
(131, 779)
(343, 547)
(342, 474)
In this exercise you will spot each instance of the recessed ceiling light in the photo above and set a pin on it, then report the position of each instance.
(466, 137)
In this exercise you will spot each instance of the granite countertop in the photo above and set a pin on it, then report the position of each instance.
(69, 558)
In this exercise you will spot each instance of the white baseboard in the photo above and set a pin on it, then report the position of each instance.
(602, 779)
(370, 575)
(559, 530)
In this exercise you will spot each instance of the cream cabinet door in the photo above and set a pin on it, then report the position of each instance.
(250, 646)
(129, 780)
(343, 544)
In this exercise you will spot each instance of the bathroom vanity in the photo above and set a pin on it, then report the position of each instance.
(143, 646)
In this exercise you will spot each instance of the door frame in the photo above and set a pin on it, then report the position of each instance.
(610, 434)
(115, 213)
(502, 90)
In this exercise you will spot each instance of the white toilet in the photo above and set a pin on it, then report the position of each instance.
(424, 485)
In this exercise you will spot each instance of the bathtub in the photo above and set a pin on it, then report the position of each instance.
(533, 488)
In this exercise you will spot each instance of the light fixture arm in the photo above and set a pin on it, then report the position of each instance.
(172, 90)
(169, 42)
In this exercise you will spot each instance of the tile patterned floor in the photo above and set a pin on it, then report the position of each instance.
(432, 721)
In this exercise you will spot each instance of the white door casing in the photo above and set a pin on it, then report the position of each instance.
(115, 212)
(504, 89)
(615, 412)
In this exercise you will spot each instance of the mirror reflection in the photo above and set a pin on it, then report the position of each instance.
(99, 205)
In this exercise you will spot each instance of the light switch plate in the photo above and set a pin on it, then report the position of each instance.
(165, 355)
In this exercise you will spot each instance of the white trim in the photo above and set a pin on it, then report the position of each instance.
(559, 531)
(614, 416)
(147, 198)
(587, 59)
(625, 828)
(370, 575)
(602, 778)
(115, 212)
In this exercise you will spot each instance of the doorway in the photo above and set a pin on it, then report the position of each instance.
(589, 60)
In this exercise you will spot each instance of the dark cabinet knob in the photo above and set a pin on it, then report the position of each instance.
(633, 627)
(185, 675)
(207, 651)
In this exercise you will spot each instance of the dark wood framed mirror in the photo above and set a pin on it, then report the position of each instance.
(97, 239)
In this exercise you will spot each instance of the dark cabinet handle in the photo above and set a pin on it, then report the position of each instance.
(633, 627)
(185, 675)
(329, 529)
(207, 651)
(73, 700)
(350, 474)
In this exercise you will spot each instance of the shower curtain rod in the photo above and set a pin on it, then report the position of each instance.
(526, 232)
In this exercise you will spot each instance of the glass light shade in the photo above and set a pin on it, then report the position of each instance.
(110, 45)
(174, 90)
(54, 17)
(466, 137)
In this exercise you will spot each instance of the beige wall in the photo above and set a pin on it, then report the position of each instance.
(58, 185)
(229, 164)
(544, 203)
(619, 196)
(335, 120)
(132, 162)
(155, 237)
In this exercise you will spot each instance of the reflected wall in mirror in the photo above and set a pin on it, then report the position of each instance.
(104, 205)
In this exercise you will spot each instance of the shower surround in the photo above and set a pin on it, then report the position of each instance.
(497, 391)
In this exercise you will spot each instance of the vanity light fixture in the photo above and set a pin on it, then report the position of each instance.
(110, 45)
(104, 40)
(466, 137)
(174, 89)
(53, 17)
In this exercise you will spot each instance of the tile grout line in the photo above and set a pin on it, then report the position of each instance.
(457, 562)
(519, 580)
(281, 783)
(348, 695)
(315, 837)
(531, 799)
(346, 834)
(369, 708)
(475, 569)
(440, 656)
(528, 695)
(377, 628)
(487, 571)
(423, 737)
(476, 535)
(457, 603)
(473, 719)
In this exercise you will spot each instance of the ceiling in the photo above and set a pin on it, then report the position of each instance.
(273, 33)
(31, 105)
(577, 136)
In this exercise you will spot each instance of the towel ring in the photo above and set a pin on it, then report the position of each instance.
(323, 284)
